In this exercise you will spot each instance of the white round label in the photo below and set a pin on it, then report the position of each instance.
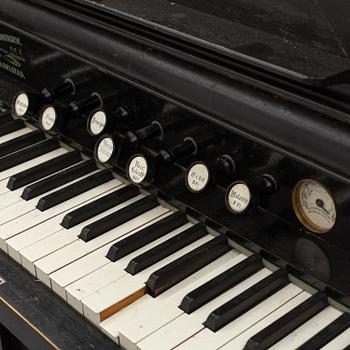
(138, 169)
(105, 149)
(98, 123)
(48, 118)
(239, 198)
(21, 104)
(198, 177)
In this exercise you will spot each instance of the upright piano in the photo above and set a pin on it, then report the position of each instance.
(174, 174)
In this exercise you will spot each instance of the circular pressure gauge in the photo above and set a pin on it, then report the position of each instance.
(314, 206)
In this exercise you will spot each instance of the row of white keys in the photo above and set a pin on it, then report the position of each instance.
(183, 327)
(14, 134)
(78, 249)
(108, 273)
(207, 339)
(40, 233)
(35, 217)
(146, 315)
(88, 264)
(110, 299)
(62, 238)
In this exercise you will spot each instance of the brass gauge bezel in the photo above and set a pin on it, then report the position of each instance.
(299, 211)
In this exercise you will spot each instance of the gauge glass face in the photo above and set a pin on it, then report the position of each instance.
(314, 206)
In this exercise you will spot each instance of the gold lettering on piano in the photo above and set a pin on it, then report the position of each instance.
(11, 55)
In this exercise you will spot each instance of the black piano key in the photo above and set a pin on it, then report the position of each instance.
(117, 218)
(146, 236)
(220, 284)
(99, 206)
(165, 249)
(44, 169)
(73, 190)
(246, 300)
(328, 333)
(11, 126)
(28, 153)
(185, 266)
(288, 323)
(58, 179)
(21, 142)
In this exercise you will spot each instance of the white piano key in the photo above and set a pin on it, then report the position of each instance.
(31, 163)
(62, 238)
(340, 342)
(10, 197)
(3, 187)
(88, 264)
(183, 327)
(32, 235)
(308, 329)
(21, 207)
(35, 217)
(109, 273)
(138, 318)
(76, 250)
(40, 233)
(110, 299)
(15, 134)
(207, 339)
(240, 341)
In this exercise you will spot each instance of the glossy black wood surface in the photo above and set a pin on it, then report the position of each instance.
(264, 132)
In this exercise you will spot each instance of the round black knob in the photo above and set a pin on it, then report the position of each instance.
(52, 117)
(78, 108)
(242, 196)
(100, 120)
(108, 148)
(198, 177)
(29, 103)
(134, 139)
(225, 166)
(97, 122)
(188, 147)
(141, 169)
(52, 94)
(239, 197)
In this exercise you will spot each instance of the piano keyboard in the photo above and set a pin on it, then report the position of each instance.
(149, 277)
